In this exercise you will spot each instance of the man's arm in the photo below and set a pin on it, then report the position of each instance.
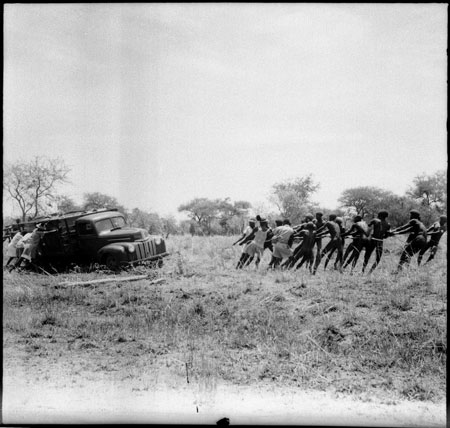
(269, 235)
(242, 237)
(249, 237)
(290, 240)
(321, 228)
(298, 229)
(402, 229)
(324, 230)
(301, 235)
(432, 228)
(351, 231)
(435, 228)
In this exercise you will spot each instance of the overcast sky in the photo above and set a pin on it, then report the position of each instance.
(156, 104)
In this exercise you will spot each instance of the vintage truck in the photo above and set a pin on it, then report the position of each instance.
(97, 236)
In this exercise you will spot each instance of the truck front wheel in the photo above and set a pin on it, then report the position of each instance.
(112, 262)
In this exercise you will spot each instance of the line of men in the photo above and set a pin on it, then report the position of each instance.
(365, 236)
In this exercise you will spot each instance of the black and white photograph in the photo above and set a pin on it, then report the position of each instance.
(225, 214)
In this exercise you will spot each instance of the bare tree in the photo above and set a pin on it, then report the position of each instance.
(32, 185)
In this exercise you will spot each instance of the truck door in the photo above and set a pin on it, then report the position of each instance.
(87, 240)
(50, 244)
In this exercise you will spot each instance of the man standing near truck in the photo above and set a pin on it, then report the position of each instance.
(31, 245)
(13, 252)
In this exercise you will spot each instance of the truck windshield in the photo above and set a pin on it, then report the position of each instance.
(109, 223)
(118, 221)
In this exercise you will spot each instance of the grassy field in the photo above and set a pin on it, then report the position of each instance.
(370, 336)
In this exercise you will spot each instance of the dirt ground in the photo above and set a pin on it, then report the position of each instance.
(60, 392)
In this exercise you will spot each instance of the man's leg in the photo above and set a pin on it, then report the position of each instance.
(320, 255)
(274, 262)
(317, 262)
(242, 260)
(9, 261)
(291, 261)
(319, 249)
(330, 254)
(418, 245)
(369, 249)
(378, 254)
(277, 255)
(338, 263)
(299, 256)
(259, 257)
(405, 257)
(348, 250)
(356, 253)
(310, 261)
(19, 262)
(423, 251)
(306, 258)
(350, 259)
(301, 263)
(249, 260)
(433, 252)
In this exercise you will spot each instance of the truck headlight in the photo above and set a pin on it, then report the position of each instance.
(131, 248)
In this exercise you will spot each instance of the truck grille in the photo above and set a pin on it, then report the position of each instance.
(148, 248)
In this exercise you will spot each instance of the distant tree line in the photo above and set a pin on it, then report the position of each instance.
(427, 194)
(218, 216)
(34, 187)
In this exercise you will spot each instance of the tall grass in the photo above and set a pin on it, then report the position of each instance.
(369, 334)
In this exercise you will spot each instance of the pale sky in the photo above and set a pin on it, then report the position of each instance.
(156, 104)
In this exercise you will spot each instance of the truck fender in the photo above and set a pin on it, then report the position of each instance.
(117, 251)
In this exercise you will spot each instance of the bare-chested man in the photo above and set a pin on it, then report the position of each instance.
(249, 230)
(416, 241)
(298, 235)
(379, 230)
(359, 231)
(306, 253)
(435, 232)
(333, 229)
(340, 222)
(318, 221)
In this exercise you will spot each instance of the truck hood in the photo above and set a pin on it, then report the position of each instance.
(126, 234)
